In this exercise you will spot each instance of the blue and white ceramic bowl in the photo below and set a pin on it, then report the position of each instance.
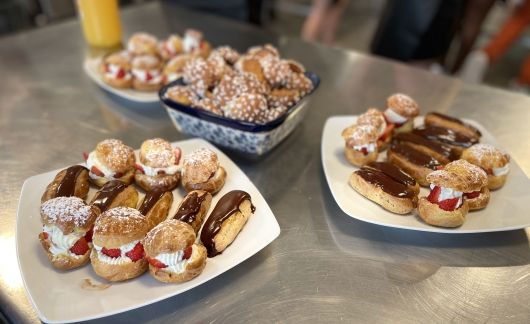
(243, 136)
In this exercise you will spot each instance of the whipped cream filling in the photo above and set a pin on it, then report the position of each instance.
(172, 169)
(448, 193)
(190, 43)
(174, 261)
(94, 161)
(394, 117)
(170, 77)
(501, 171)
(119, 260)
(370, 147)
(113, 70)
(142, 76)
(60, 243)
(170, 48)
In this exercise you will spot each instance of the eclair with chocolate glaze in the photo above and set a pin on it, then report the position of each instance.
(72, 181)
(201, 171)
(115, 194)
(226, 221)
(155, 206)
(458, 142)
(193, 208)
(412, 161)
(441, 152)
(455, 124)
(396, 174)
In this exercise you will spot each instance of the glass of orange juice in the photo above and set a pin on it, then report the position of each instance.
(100, 21)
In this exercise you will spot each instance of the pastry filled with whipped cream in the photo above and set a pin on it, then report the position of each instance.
(376, 118)
(194, 43)
(493, 161)
(175, 67)
(446, 205)
(142, 44)
(118, 252)
(111, 160)
(401, 110)
(158, 165)
(201, 170)
(116, 70)
(361, 143)
(147, 72)
(172, 253)
(170, 47)
(477, 199)
(67, 231)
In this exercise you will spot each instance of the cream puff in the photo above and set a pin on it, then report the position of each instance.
(157, 166)
(455, 124)
(229, 54)
(446, 205)
(198, 74)
(225, 222)
(72, 181)
(142, 44)
(475, 199)
(111, 160)
(263, 51)
(247, 107)
(201, 170)
(170, 47)
(174, 69)
(276, 71)
(147, 72)
(116, 70)
(193, 208)
(401, 110)
(495, 162)
(232, 86)
(413, 161)
(390, 194)
(377, 119)
(172, 253)
(118, 252)
(193, 43)
(67, 231)
(115, 194)
(248, 64)
(155, 206)
(360, 144)
(181, 94)
(283, 97)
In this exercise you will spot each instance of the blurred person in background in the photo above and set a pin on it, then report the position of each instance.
(323, 21)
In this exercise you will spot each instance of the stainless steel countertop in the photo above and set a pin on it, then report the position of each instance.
(325, 266)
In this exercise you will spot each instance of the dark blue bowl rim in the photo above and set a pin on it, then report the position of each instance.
(232, 123)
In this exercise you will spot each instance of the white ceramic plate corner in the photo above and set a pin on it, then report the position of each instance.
(507, 209)
(50, 290)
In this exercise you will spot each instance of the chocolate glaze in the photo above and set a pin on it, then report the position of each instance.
(393, 172)
(227, 205)
(435, 146)
(189, 208)
(386, 183)
(415, 156)
(150, 199)
(445, 135)
(456, 120)
(107, 194)
(66, 187)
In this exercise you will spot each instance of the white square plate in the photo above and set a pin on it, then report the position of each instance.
(507, 209)
(91, 67)
(51, 290)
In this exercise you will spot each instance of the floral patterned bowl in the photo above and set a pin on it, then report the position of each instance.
(243, 136)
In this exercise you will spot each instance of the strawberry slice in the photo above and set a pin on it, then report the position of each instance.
(471, 195)
(113, 253)
(439, 167)
(448, 204)
(178, 153)
(148, 76)
(120, 74)
(434, 194)
(136, 253)
(118, 175)
(96, 171)
(80, 247)
(187, 253)
(107, 69)
(139, 168)
(43, 235)
(85, 155)
(155, 263)
(88, 234)
(364, 150)
(387, 132)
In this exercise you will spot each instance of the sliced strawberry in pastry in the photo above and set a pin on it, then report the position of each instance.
(136, 253)
(472, 195)
(113, 253)
(139, 168)
(80, 247)
(449, 204)
(97, 171)
(434, 194)
(187, 253)
(155, 263)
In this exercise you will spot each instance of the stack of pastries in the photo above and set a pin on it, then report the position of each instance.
(257, 86)
(123, 235)
(149, 63)
(443, 154)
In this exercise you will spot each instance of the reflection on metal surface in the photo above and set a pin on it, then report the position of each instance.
(10, 278)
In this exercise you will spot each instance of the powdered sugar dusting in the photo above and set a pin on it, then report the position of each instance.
(363, 134)
(158, 153)
(486, 154)
(125, 218)
(66, 210)
(403, 105)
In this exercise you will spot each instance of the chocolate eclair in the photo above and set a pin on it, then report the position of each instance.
(193, 208)
(155, 206)
(458, 142)
(452, 123)
(72, 181)
(226, 221)
(439, 151)
(115, 194)
(412, 161)
(396, 174)
(390, 194)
